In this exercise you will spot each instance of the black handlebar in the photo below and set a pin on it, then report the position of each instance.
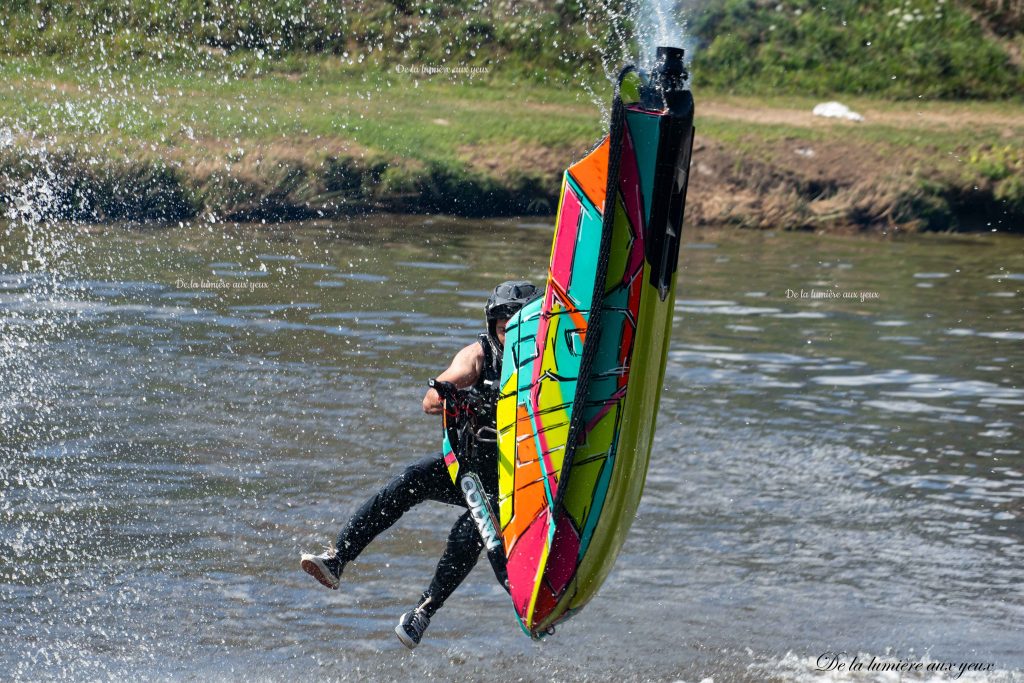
(457, 401)
(446, 390)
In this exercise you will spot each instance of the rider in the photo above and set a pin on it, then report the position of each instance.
(478, 367)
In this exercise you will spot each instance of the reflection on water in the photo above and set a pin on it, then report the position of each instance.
(186, 410)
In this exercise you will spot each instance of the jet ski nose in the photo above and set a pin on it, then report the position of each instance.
(670, 60)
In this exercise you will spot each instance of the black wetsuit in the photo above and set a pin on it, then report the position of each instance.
(428, 479)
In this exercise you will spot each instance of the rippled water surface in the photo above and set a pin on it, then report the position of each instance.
(185, 410)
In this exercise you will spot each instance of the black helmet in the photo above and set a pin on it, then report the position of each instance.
(504, 302)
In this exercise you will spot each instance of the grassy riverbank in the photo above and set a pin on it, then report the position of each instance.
(246, 139)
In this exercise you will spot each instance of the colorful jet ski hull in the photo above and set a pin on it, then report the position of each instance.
(584, 366)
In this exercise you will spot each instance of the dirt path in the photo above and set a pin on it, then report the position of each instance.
(926, 117)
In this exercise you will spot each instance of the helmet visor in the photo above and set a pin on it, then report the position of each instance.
(504, 311)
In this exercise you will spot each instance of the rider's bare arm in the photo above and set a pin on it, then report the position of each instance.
(463, 372)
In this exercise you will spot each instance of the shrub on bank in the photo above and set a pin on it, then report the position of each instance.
(544, 39)
(67, 186)
(895, 48)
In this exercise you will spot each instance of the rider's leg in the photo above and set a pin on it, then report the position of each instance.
(426, 479)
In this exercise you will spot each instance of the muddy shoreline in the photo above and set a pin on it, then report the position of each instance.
(786, 183)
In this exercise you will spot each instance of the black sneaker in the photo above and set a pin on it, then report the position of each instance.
(412, 625)
(325, 568)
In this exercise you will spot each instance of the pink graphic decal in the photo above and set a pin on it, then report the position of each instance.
(540, 434)
(524, 561)
(565, 240)
(629, 184)
(564, 551)
(535, 410)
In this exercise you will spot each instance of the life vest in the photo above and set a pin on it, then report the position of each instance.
(492, 365)
(483, 451)
(487, 388)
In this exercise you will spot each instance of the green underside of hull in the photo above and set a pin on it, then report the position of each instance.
(636, 433)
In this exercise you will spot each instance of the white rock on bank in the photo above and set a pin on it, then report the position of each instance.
(836, 110)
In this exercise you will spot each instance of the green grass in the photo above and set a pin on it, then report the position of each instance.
(936, 143)
(247, 142)
(385, 112)
(391, 113)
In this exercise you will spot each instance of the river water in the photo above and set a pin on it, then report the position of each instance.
(185, 410)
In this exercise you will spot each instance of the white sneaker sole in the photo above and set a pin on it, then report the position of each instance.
(403, 636)
(315, 567)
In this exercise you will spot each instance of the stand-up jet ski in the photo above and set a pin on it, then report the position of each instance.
(583, 366)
